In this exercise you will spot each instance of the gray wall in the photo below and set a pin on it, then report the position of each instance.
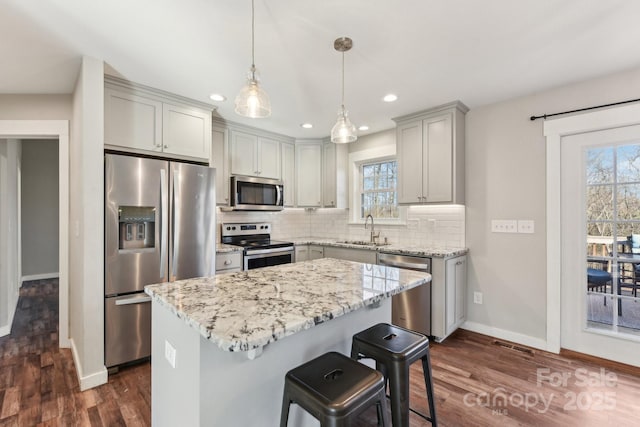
(39, 207)
(505, 169)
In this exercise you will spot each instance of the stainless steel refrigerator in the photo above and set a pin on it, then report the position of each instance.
(159, 227)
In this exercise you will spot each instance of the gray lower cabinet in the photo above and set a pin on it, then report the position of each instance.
(228, 262)
(309, 252)
(358, 255)
(449, 289)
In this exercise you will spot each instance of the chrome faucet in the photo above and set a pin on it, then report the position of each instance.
(374, 235)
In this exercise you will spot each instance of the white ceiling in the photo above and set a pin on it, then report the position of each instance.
(428, 52)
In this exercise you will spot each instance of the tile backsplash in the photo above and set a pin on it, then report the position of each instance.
(431, 226)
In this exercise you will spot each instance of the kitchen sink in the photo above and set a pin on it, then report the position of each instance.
(362, 243)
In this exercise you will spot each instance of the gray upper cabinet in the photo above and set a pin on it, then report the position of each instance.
(220, 161)
(430, 152)
(288, 173)
(334, 175)
(309, 174)
(144, 120)
(254, 155)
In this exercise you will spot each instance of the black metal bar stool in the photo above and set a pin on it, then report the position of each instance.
(394, 349)
(335, 390)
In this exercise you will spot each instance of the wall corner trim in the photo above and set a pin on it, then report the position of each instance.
(91, 380)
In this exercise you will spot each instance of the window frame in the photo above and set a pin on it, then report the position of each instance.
(362, 190)
(356, 161)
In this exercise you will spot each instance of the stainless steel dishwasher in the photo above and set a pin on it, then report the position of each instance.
(411, 309)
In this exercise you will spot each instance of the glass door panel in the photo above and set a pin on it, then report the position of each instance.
(612, 210)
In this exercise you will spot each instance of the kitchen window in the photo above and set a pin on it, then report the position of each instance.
(378, 190)
(373, 180)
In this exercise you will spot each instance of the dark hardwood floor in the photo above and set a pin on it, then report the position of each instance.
(38, 383)
(479, 381)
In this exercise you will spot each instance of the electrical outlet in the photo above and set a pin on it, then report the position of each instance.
(170, 353)
(477, 297)
(504, 226)
(526, 226)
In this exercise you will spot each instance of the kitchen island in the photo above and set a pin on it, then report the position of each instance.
(222, 345)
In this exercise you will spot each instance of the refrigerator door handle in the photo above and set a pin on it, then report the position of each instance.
(163, 223)
(133, 300)
(175, 219)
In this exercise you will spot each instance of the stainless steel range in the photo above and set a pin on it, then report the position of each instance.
(259, 249)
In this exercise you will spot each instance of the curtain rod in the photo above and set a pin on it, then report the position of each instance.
(544, 116)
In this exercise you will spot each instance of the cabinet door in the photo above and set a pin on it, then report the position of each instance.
(357, 255)
(309, 175)
(244, 151)
(409, 153)
(329, 175)
(132, 121)
(316, 252)
(437, 154)
(302, 253)
(455, 285)
(288, 173)
(219, 160)
(186, 131)
(268, 158)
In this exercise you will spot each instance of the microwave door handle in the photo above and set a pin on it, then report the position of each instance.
(279, 195)
(163, 223)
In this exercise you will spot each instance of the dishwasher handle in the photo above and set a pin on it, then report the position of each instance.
(405, 262)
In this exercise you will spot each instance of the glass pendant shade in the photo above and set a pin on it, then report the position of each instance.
(253, 101)
(343, 131)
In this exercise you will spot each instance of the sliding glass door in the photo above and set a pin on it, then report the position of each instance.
(600, 242)
(613, 237)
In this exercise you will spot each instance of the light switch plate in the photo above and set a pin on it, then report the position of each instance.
(526, 226)
(504, 226)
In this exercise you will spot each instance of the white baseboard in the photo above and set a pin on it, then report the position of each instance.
(43, 276)
(87, 381)
(5, 330)
(515, 337)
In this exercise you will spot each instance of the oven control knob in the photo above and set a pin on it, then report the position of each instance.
(228, 228)
(233, 228)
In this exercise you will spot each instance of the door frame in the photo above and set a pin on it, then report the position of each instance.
(54, 130)
(554, 131)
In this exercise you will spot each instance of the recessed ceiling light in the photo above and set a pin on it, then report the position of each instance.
(307, 125)
(363, 127)
(217, 97)
(390, 98)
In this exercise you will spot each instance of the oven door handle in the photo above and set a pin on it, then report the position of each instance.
(269, 252)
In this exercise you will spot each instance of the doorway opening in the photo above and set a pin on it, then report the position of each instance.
(54, 131)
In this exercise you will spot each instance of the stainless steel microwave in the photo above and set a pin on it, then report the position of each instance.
(250, 193)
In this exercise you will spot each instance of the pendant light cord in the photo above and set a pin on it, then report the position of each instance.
(343, 80)
(253, 42)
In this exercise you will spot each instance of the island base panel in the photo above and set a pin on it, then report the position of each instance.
(213, 387)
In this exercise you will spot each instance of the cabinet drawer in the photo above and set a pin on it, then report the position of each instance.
(228, 261)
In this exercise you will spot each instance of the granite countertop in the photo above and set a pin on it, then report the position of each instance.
(222, 248)
(247, 310)
(424, 251)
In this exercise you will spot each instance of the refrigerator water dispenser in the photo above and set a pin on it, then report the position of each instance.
(137, 227)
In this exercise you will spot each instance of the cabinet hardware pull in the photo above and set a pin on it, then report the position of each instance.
(227, 262)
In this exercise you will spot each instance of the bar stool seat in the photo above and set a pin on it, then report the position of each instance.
(394, 349)
(334, 389)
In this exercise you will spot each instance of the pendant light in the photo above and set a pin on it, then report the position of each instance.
(343, 131)
(253, 101)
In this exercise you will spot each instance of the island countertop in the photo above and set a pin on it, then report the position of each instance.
(247, 310)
